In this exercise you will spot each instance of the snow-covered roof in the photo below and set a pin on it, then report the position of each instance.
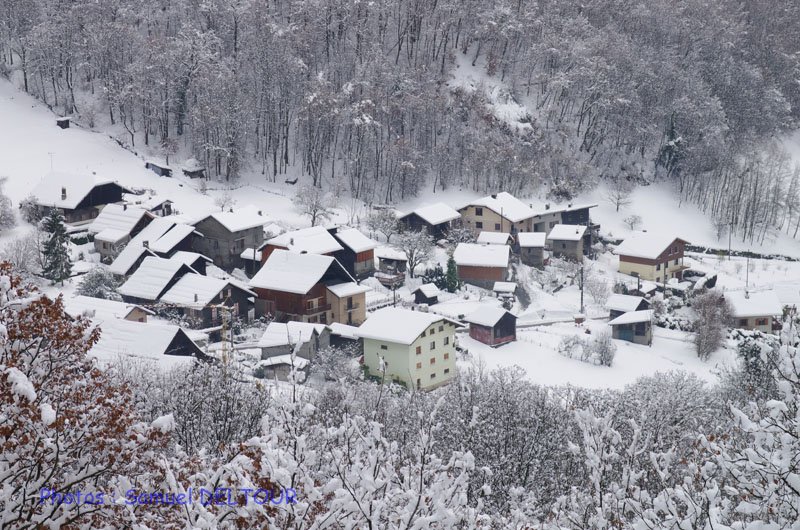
(390, 253)
(759, 304)
(645, 245)
(196, 291)
(189, 257)
(504, 287)
(149, 202)
(77, 186)
(402, 326)
(293, 273)
(623, 302)
(273, 229)
(355, 240)
(567, 232)
(283, 334)
(506, 205)
(313, 240)
(343, 330)
(136, 339)
(435, 214)
(251, 254)
(172, 238)
(347, 289)
(238, 220)
(287, 360)
(429, 290)
(531, 239)
(567, 208)
(99, 309)
(110, 235)
(134, 249)
(192, 164)
(632, 317)
(486, 315)
(493, 238)
(472, 254)
(118, 217)
(152, 277)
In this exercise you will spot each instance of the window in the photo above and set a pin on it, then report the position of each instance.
(433, 344)
(433, 360)
(497, 226)
(384, 347)
(478, 225)
(419, 350)
(673, 250)
(423, 333)
(563, 245)
(742, 322)
(433, 375)
(419, 365)
(419, 383)
(479, 212)
(446, 371)
(676, 261)
(446, 341)
(431, 331)
(658, 266)
(761, 322)
(310, 304)
(446, 356)
(441, 328)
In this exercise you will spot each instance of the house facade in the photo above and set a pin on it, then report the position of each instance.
(531, 248)
(500, 212)
(651, 257)
(492, 325)
(79, 197)
(435, 218)
(357, 254)
(566, 241)
(481, 265)
(225, 235)
(634, 326)
(208, 301)
(409, 347)
(756, 311)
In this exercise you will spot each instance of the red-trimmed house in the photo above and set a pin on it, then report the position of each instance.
(652, 257)
(492, 325)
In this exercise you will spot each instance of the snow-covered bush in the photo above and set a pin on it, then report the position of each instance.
(7, 217)
(31, 211)
(712, 316)
(603, 349)
(99, 282)
(574, 347)
(23, 254)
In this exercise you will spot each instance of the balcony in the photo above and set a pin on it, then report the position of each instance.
(317, 309)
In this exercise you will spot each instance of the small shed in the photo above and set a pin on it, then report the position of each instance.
(162, 170)
(426, 293)
(566, 241)
(634, 326)
(481, 265)
(495, 238)
(391, 260)
(193, 169)
(619, 304)
(492, 325)
(346, 337)
(63, 122)
(531, 248)
(280, 366)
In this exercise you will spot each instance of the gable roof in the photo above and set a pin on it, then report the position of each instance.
(189, 257)
(562, 209)
(562, 232)
(646, 245)
(531, 239)
(134, 249)
(353, 239)
(390, 253)
(401, 326)
(294, 273)
(197, 291)
(284, 334)
(494, 238)
(344, 331)
(171, 238)
(504, 287)
(78, 186)
(624, 302)
(487, 315)
(347, 289)
(505, 204)
(313, 240)
(429, 290)
(110, 235)
(758, 304)
(118, 217)
(152, 278)
(99, 308)
(472, 254)
(238, 220)
(632, 317)
(434, 214)
(136, 339)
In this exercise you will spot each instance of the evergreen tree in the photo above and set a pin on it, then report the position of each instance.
(57, 263)
(435, 276)
(453, 284)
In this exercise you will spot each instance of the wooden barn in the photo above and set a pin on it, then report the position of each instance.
(426, 293)
(435, 218)
(162, 170)
(358, 252)
(482, 265)
(80, 197)
(492, 325)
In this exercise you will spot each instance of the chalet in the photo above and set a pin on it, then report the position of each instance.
(435, 218)
(227, 234)
(754, 310)
(531, 248)
(308, 288)
(358, 252)
(411, 347)
(652, 257)
(619, 304)
(193, 169)
(566, 241)
(495, 238)
(501, 212)
(391, 261)
(301, 338)
(207, 300)
(63, 122)
(160, 169)
(154, 277)
(548, 217)
(426, 293)
(481, 265)
(98, 309)
(313, 240)
(492, 325)
(115, 226)
(163, 345)
(154, 204)
(634, 326)
(196, 261)
(163, 237)
(80, 197)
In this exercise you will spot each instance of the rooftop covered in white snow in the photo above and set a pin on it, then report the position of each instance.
(563, 232)
(66, 190)
(312, 240)
(506, 205)
(401, 326)
(152, 278)
(646, 245)
(531, 239)
(486, 315)
(758, 304)
(435, 214)
(475, 255)
(294, 273)
(355, 240)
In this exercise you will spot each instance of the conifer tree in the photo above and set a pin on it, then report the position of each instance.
(57, 263)
(452, 281)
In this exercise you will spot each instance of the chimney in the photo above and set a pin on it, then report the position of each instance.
(145, 244)
(63, 193)
(494, 195)
(195, 297)
(291, 241)
(547, 206)
(259, 213)
(230, 210)
(124, 207)
(569, 205)
(746, 295)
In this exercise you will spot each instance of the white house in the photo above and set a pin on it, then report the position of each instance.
(754, 310)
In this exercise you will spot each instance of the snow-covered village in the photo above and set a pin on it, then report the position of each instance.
(329, 265)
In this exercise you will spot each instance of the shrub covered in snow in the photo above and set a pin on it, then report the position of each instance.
(99, 282)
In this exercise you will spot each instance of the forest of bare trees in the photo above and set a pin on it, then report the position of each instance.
(359, 95)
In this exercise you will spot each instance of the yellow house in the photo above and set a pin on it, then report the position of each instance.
(501, 212)
(652, 257)
(410, 347)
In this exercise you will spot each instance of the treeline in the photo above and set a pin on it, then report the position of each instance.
(356, 94)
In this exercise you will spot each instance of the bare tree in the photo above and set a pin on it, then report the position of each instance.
(314, 203)
(597, 287)
(383, 222)
(619, 193)
(417, 246)
(712, 315)
(633, 221)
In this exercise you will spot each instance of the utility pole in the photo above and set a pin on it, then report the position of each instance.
(51, 160)
(582, 289)
(747, 279)
(730, 230)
